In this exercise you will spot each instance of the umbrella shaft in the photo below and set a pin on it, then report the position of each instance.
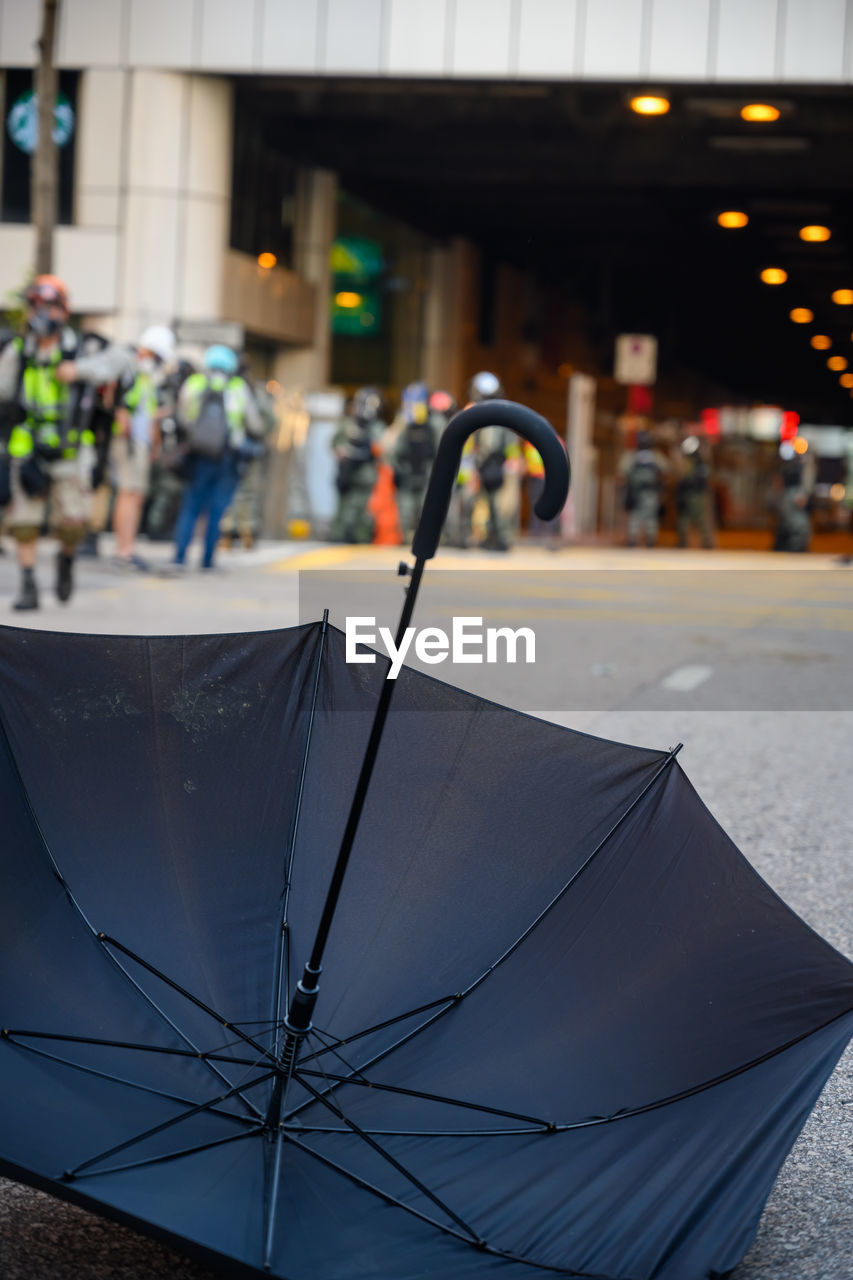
(297, 1024)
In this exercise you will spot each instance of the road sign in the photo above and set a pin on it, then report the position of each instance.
(636, 359)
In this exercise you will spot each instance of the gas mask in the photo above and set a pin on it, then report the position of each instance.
(43, 324)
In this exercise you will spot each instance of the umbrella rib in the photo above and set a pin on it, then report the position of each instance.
(198, 1109)
(436, 1097)
(371, 1062)
(378, 1026)
(479, 1245)
(176, 986)
(386, 1155)
(87, 922)
(172, 1155)
(281, 977)
(131, 1084)
(8, 1032)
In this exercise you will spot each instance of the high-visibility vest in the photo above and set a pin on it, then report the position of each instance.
(234, 395)
(44, 401)
(533, 460)
(142, 394)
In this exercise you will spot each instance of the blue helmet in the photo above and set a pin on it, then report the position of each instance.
(415, 402)
(222, 359)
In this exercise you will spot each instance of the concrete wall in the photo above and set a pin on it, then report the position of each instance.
(799, 41)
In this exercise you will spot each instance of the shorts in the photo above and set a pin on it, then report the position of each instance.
(130, 464)
(69, 499)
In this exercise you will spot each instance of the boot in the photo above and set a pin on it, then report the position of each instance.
(64, 576)
(29, 596)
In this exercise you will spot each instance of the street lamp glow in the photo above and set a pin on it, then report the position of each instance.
(759, 112)
(267, 261)
(846, 379)
(822, 342)
(650, 105)
(732, 218)
(815, 233)
(836, 363)
(801, 315)
(774, 275)
(801, 445)
(843, 297)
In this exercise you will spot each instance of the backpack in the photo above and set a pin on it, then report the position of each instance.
(207, 435)
(491, 471)
(417, 450)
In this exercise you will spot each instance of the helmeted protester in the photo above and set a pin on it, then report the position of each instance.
(413, 454)
(45, 374)
(643, 472)
(693, 493)
(136, 437)
(498, 463)
(222, 426)
(794, 530)
(355, 445)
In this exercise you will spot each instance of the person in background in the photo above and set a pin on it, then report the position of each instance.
(136, 438)
(693, 494)
(794, 530)
(220, 420)
(643, 472)
(243, 519)
(413, 454)
(497, 454)
(45, 375)
(356, 444)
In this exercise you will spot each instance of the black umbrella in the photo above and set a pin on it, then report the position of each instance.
(562, 1025)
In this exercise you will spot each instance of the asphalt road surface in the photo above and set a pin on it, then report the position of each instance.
(744, 657)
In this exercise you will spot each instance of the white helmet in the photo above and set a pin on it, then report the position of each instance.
(160, 340)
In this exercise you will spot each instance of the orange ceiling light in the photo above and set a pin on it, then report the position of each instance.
(846, 379)
(732, 218)
(266, 261)
(774, 275)
(815, 234)
(836, 363)
(801, 315)
(759, 112)
(650, 104)
(822, 341)
(843, 297)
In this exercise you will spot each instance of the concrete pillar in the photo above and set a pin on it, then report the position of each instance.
(175, 191)
(309, 368)
(445, 329)
(582, 510)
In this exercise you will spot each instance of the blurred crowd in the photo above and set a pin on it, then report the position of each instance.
(97, 434)
(383, 471)
(652, 477)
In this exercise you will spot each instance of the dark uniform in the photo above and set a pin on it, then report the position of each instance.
(354, 443)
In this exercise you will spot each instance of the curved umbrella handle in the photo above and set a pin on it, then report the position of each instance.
(489, 413)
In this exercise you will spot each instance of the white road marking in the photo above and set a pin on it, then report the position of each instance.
(683, 679)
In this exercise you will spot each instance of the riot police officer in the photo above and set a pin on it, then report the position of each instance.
(355, 444)
(413, 453)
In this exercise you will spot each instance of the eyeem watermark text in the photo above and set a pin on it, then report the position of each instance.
(469, 641)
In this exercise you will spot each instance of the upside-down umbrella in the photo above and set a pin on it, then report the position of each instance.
(513, 1004)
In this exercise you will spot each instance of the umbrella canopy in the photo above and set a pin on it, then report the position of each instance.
(563, 1024)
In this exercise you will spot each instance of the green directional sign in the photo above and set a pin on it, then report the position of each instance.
(23, 121)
